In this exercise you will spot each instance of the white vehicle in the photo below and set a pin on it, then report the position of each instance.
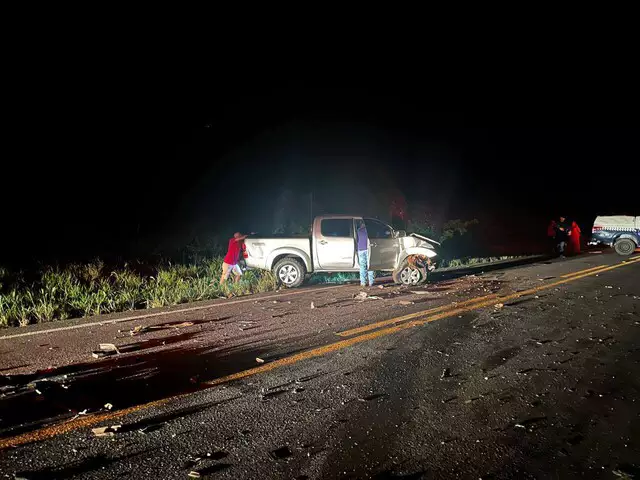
(332, 248)
(620, 232)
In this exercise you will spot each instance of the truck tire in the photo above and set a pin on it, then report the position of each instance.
(408, 275)
(289, 272)
(624, 246)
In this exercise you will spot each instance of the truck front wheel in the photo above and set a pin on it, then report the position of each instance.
(289, 272)
(407, 274)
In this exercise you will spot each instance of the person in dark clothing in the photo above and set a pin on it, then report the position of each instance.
(363, 255)
(563, 227)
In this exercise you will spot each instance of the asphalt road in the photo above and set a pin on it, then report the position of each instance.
(527, 372)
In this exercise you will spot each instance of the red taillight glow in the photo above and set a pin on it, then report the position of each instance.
(596, 228)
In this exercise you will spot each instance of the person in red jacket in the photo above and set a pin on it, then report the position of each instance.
(574, 239)
(231, 259)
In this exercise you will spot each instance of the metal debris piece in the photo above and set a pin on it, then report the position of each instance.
(259, 360)
(106, 431)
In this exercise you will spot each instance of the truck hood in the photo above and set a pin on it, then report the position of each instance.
(426, 239)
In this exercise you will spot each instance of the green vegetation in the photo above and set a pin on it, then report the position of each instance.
(93, 289)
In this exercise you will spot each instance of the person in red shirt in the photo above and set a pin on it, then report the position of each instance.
(574, 239)
(231, 259)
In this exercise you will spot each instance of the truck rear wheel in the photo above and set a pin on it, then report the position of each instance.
(624, 246)
(289, 272)
(406, 274)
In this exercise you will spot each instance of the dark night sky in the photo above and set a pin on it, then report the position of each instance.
(92, 175)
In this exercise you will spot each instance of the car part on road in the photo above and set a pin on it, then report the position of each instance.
(289, 272)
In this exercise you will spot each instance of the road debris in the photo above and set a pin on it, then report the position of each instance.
(499, 305)
(108, 406)
(405, 302)
(362, 296)
(105, 349)
(106, 431)
(312, 305)
(194, 474)
(259, 360)
(446, 373)
(420, 292)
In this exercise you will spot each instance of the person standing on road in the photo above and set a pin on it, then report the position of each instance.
(574, 239)
(363, 255)
(231, 259)
(562, 234)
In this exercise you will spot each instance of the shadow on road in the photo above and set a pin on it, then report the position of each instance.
(46, 397)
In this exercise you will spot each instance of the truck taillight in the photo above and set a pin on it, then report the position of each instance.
(596, 228)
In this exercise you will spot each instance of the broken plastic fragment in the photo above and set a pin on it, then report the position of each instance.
(259, 360)
(106, 431)
(108, 406)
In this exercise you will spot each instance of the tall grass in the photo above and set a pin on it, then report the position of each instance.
(93, 289)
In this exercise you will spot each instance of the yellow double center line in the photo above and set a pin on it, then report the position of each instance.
(445, 312)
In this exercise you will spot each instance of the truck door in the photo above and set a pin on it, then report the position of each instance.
(384, 248)
(335, 246)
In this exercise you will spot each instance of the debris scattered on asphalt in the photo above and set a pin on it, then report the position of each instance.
(608, 286)
(312, 305)
(259, 360)
(517, 425)
(106, 431)
(380, 287)
(194, 474)
(281, 453)
(405, 302)
(499, 305)
(108, 406)
(362, 296)
(446, 373)
(105, 349)
(419, 292)
(136, 330)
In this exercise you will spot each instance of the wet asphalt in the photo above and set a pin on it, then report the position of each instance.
(544, 386)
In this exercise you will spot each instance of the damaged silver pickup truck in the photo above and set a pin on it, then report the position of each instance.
(332, 248)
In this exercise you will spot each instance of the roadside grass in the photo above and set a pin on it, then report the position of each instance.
(82, 290)
(93, 289)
